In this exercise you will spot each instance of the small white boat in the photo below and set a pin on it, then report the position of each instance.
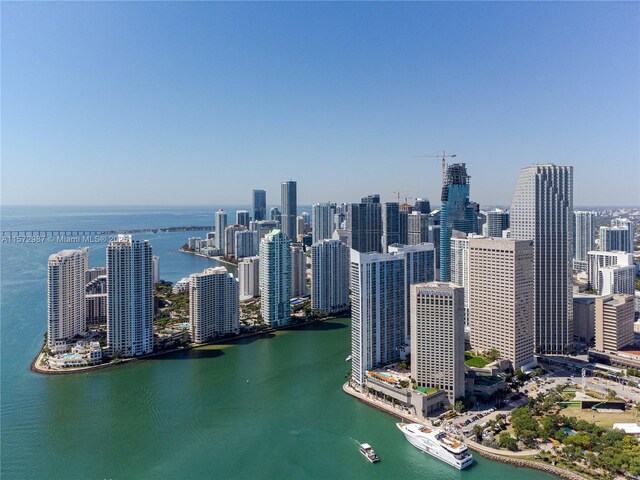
(348, 358)
(369, 453)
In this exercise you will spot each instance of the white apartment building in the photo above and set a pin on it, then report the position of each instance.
(249, 277)
(298, 271)
(597, 260)
(329, 276)
(322, 222)
(214, 305)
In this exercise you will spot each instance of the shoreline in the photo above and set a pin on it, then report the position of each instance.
(476, 447)
(217, 259)
(35, 368)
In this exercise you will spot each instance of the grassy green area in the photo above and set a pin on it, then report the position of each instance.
(602, 419)
(472, 360)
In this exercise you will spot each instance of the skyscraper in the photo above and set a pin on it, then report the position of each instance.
(390, 225)
(298, 271)
(584, 229)
(542, 211)
(377, 311)
(422, 205)
(220, 225)
(419, 267)
(246, 243)
(329, 276)
(457, 213)
(322, 221)
(501, 297)
(497, 221)
(618, 237)
(275, 279)
(249, 277)
(418, 228)
(275, 215)
(259, 205)
(364, 225)
(129, 297)
(437, 337)
(289, 209)
(230, 239)
(66, 291)
(242, 217)
(459, 265)
(214, 306)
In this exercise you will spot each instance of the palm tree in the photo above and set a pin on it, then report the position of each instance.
(477, 432)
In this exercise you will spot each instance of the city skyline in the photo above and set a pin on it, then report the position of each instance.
(511, 85)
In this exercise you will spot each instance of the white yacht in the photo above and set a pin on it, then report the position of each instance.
(437, 443)
(369, 453)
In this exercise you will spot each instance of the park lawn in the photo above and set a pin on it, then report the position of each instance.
(602, 419)
(472, 360)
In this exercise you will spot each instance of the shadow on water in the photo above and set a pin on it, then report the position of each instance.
(193, 354)
(317, 326)
(252, 338)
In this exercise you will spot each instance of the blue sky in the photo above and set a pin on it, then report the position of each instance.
(198, 103)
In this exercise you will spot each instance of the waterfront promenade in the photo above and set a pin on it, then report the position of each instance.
(519, 459)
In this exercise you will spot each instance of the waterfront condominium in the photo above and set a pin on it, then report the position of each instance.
(364, 225)
(390, 225)
(275, 279)
(259, 205)
(501, 297)
(329, 276)
(220, 225)
(457, 213)
(298, 271)
(66, 291)
(249, 276)
(584, 238)
(419, 267)
(246, 243)
(230, 239)
(243, 218)
(377, 283)
(289, 205)
(214, 306)
(542, 211)
(322, 221)
(129, 297)
(437, 337)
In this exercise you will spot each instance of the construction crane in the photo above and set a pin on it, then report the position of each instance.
(444, 156)
(406, 196)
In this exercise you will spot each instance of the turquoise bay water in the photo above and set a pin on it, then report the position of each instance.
(189, 415)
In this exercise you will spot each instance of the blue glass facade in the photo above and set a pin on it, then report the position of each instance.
(457, 213)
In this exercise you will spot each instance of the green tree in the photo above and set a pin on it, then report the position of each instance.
(507, 441)
(459, 406)
(493, 354)
(477, 432)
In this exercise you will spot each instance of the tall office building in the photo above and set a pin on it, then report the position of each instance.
(597, 260)
(542, 211)
(437, 337)
(496, 221)
(289, 200)
(584, 238)
(457, 212)
(390, 225)
(66, 291)
(501, 297)
(422, 205)
(246, 243)
(377, 286)
(584, 318)
(614, 322)
(322, 222)
(249, 277)
(259, 205)
(419, 267)
(230, 239)
(418, 228)
(618, 237)
(242, 218)
(403, 229)
(214, 306)
(275, 279)
(329, 276)
(262, 227)
(129, 297)
(298, 271)
(364, 225)
(220, 225)
(300, 226)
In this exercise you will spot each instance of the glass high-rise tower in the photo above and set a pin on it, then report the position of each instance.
(457, 213)
(289, 199)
